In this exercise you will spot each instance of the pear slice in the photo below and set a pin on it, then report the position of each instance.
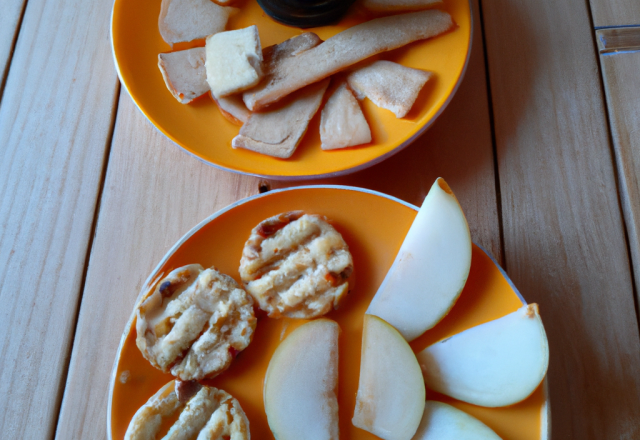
(444, 422)
(430, 269)
(391, 394)
(498, 363)
(301, 384)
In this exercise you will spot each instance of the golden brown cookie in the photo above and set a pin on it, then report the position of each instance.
(296, 265)
(205, 413)
(194, 323)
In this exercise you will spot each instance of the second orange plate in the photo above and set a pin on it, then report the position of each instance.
(201, 129)
(374, 226)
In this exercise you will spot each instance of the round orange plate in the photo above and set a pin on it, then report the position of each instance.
(374, 226)
(200, 128)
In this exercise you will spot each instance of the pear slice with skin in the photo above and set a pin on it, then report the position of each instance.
(301, 384)
(391, 394)
(494, 364)
(430, 269)
(444, 422)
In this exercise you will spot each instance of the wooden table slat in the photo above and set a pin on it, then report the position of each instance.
(55, 118)
(608, 13)
(563, 231)
(621, 74)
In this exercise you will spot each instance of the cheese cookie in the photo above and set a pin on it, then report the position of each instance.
(194, 323)
(204, 413)
(296, 265)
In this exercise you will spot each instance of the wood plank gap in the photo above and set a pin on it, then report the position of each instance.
(503, 259)
(64, 377)
(615, 26)
(5, 73)
(618, 39)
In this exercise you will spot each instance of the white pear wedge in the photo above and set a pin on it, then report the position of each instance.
(444, 422)
(497, 363)
(391, 394)
(430, 269)
(301, 384)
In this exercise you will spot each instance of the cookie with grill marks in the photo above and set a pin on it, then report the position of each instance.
(203, 413)
(194, 322)
(296, 265)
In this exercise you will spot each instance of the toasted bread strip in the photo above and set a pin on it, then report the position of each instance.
(345, 49)
(233, 109)
(278, 132)
(389, 85)
(275, 55)
(397, 5)
(188, 20)
(184, 74)
(343, 123)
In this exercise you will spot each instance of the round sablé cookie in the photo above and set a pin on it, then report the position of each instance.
(194, 322)
(296, 265)
(203, 413)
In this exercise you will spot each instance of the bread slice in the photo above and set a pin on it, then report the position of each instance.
(233, 109)
(389, 85)
(345, 49)
(184, 74)
(274, 65)
(234, 61)
(188, 20)
(343, 123)
(397, 5)
(278, 132)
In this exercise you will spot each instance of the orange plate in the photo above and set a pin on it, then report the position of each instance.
(200, 128)
(374, 226)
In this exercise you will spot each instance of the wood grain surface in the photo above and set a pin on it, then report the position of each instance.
(9, 28)
(458, 147)
(563, 232)
(622, 87)
(154, 193)
(55, 118)
(615, 12)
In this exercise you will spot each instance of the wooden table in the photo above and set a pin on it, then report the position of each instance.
(541, 144)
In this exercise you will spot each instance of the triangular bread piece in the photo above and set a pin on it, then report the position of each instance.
(188, 20)
(397, 5)
(343, 124)
(389, 85)
(233, 109)
(278, 132)
(184, 74)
